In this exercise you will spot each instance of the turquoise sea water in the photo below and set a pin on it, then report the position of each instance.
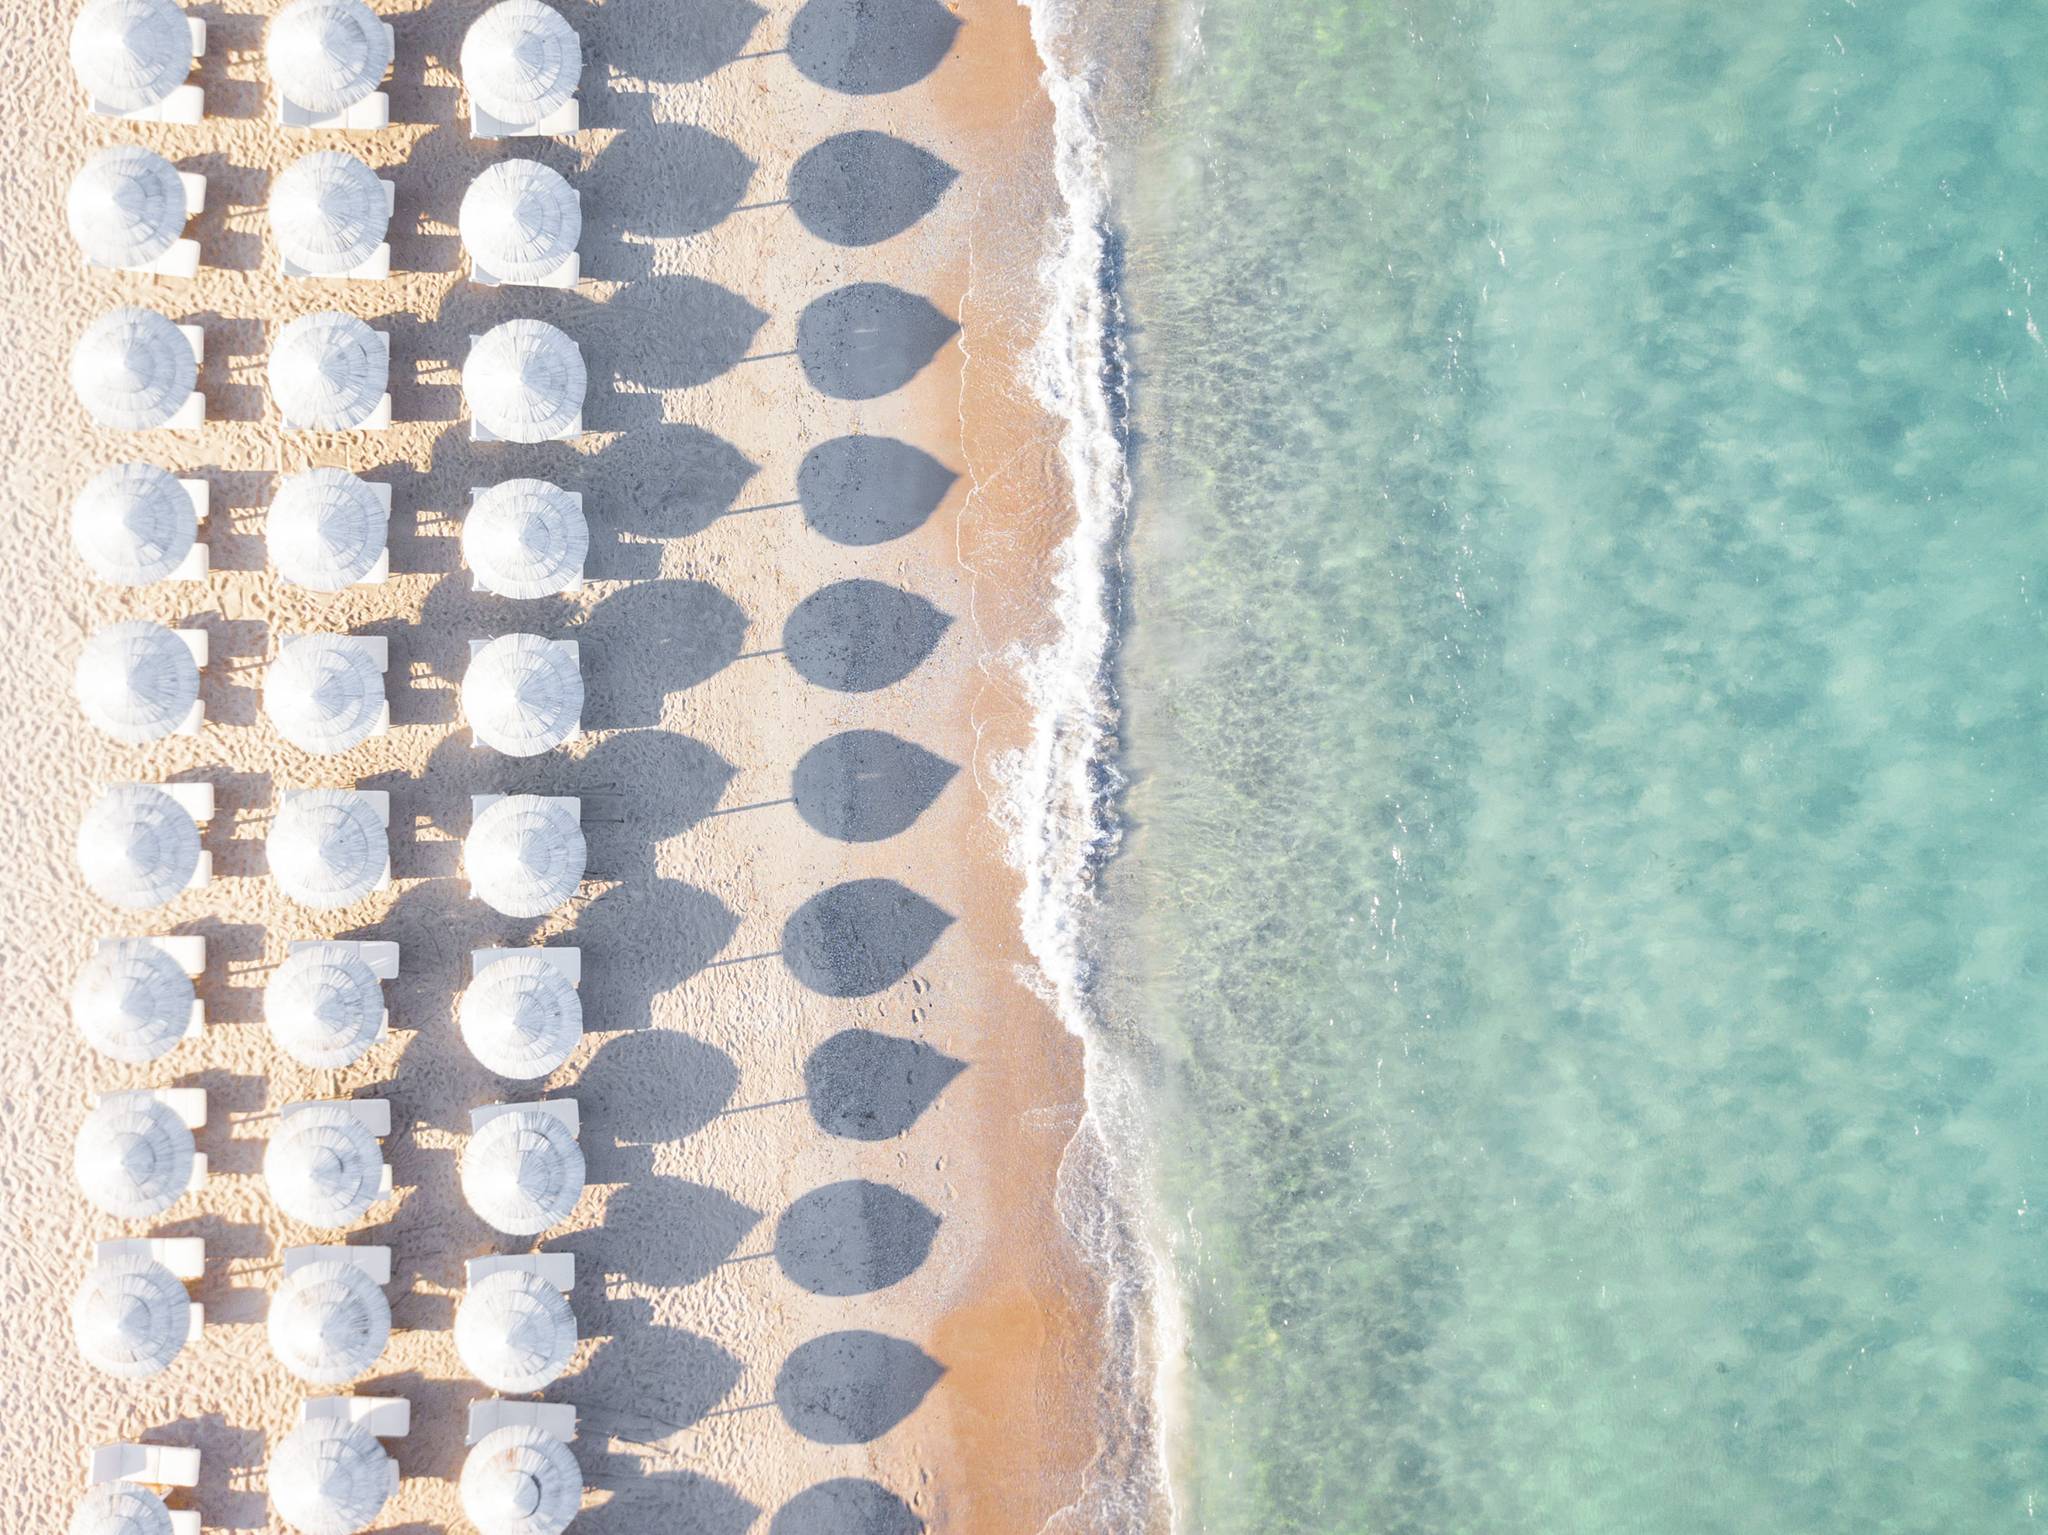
(1581, 932)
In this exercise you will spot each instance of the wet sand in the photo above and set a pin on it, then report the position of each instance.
(744, 1039)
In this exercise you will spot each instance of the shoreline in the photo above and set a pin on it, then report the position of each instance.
(690, 896)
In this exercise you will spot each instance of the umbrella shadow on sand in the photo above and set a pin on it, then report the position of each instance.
(866, 47)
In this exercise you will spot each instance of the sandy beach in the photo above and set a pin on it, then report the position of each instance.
(822, 1108)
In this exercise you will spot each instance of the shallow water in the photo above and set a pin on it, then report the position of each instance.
(1579, 939)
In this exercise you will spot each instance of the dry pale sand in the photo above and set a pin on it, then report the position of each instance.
(715, 1081)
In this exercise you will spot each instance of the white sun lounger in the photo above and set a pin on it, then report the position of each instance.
(555, 1419)
(150, 1465)
(557, 1269)
(563, 1109)
(567, 275)
(373, 1259)
(365, 116)
(373, 1114)
(183, 1256)
(387, 1417)
(567, 118)
(566, 958)
(380, 954)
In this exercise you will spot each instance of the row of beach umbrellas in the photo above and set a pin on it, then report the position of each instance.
(139, 847)
(520, 220)
(521, 61)
(521, 1017)
(135, 371)
(522, 1169)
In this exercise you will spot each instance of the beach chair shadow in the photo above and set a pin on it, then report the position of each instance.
(238, 502)
(229, 227)
(866, 47)
(232, 984)
(229, 35)
(230, 1455)
(230, 684)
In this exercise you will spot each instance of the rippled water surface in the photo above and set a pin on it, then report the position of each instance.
(1583, 922)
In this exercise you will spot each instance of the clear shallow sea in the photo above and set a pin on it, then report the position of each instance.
(1580, 937)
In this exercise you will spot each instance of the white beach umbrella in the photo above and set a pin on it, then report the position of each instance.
(327, 529)
(328, 1477)
(327, 55)
(120, 1508)
(132, 1001)
(521, 1480)
(520, 1017)
(515, 1331)
(524, 381)
(520, 220)
(133, 1157)
(523, 694)
(328, 847)
(137, 846)
(328, 1322)
(323, 1167)
(131, 1316)
(133, 524)
(328, 213)
(324, 694)
(137, 681)
(522, 1172)
(328, 371)
(126, 206)
(524, 855)
(521, 61)
(133, 369)
(324, 1006)
(131, 54)
(525, 538)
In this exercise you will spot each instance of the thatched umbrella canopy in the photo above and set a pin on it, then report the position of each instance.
(521, 61)
(522, 1172)
(133, 369)
(133, 1157)
(137, 846)
(328, 847)
(120, 1508)
(131, 54)
(327, 529)
(133, 524)
(329, 1322)
(523, 694)
(131, 1317)
(524, 381)
(520, 1017)
(526, 538)
(525, 855)
(323, 1167)
(324, 1006)
(328, 212)
(324, 694)
(137, 681)
(327, 55)
(521, 1481)
(515, 1331)
(329, 371)
(329, 1477)
(126, 206)
(132, 1001)
(520, 220)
